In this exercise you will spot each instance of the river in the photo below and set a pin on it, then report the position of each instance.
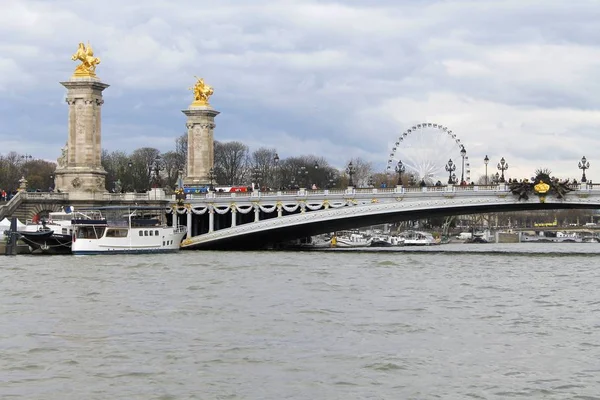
(478, 321)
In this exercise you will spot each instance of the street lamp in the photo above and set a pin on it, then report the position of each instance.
(496, 178)
(51, 183)
(583, 165)
(400, 169)
(486, 160)
(303, 176)
(157, 167)
(463, 153)
(27, 157)
(211, 176)
(276, 162)
(450, 168)
(130, 174)
(502, 166)
(256, 175)
(454, 180)
(412, 181)
(350, 170)
(371, 181)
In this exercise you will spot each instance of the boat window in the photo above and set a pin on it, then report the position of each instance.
(116, 232)
(141, 233)
(155, 233)
(151, 233)
(145, 233)
(163, 242)
(90, 232)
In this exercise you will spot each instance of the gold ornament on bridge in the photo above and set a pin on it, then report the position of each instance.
(541, 187)
(87, 68)
(202, 92)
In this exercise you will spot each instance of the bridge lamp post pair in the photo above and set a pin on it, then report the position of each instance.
(400, 169)
(583, 165)
(502, 166)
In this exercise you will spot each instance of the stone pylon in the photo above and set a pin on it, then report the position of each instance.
(201, 154)
(79, 168)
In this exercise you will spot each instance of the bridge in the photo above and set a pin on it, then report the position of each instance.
(257, 220)
(266, 219)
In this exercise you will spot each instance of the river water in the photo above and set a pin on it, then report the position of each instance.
(476, 321)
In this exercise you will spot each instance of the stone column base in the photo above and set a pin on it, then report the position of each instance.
(80, 181)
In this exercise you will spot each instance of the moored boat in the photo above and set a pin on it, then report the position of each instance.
(54, 235)
(139, 230)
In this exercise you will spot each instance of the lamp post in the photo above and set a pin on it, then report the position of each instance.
(256, 178)
(316, 166)
(454, 179)
(463, 153)
(502, 166)
(303, 176)
(400, 169)
(496, 178)
(583, 165)
(350, 170)
(450, 168)
(130, 174)
(486, 160)
(412, 181)
(51, 188)
(156, 168)
(211, 176)
(276, 162)
(27, 157)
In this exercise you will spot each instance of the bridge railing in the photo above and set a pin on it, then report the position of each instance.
(36, 196)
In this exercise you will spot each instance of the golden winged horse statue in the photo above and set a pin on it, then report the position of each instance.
(85, 54)
(202, 92)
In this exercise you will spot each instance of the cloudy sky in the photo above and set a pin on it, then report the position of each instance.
(340, 79)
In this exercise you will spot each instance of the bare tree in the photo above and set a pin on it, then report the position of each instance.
(172, 163)
(231, 162)
(263, 166)
(143, 162)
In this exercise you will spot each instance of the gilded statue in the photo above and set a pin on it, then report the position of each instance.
(202, 92)
(85, 54)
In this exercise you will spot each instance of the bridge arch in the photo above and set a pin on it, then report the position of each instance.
(435, 167)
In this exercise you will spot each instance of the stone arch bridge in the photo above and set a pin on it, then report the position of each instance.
(258, 220)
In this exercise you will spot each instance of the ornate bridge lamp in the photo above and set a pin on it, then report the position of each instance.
(583, 165)
(463, 153)
(502, 166)
(350, 170)
(156, 168)
(256, 178)
(496, 178)
(450, 168)
(303, 176)
(276, 163)
(486, 160)
(211, 177)
(454, 179)
(130, 175)
(400, 169)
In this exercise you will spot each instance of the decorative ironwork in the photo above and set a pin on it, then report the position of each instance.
(541, 185)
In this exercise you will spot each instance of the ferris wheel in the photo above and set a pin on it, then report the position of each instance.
(425, 150)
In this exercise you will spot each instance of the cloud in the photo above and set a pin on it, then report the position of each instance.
(338, 79)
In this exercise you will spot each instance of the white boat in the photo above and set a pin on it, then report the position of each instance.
(54, 235)
(352, 240)
(418, 238)
(139, 230)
